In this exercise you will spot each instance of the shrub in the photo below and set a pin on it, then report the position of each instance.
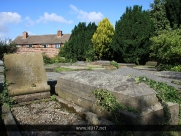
(114, 63)
(4, 48)
(176, 68)
(46, 59)
(166, 47)
(57, 59)
(90, 55)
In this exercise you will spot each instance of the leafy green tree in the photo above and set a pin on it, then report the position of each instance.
(166, 47)
(131, 38)
(102, 39)
(158, 15)
(77, 48)
(4, 48)
(89, 51)
(173, 11)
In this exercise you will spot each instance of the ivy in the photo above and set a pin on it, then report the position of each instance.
(165, 93)
(4, 97)
(107, 100)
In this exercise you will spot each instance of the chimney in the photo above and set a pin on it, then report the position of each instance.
(25, 35)
(59, 33)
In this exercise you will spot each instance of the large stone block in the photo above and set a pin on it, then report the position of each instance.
(78, 87)
(25, 73)
(82, 83)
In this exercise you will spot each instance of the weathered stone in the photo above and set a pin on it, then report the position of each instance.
(151, 63)
(1, 69)
(83, 83)
(127, 71)
(25, 73)
(78, 87)
(9, 121)
(31, 97)
(1, 63)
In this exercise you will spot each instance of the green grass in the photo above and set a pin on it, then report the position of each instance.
(61, 69)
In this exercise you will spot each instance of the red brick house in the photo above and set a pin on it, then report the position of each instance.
(48, 44)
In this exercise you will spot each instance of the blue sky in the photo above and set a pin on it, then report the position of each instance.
(39, 17)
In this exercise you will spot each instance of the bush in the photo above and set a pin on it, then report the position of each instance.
(164, 67)
(57, 59)
(176, 68)
(90, 55)
(114, 63)
(166, 47)
(61, 52)
(4, 48)
(46, 59)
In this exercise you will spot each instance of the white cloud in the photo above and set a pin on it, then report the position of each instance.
(53, 18)
(29, 22)
(8, 18)
(85, 16)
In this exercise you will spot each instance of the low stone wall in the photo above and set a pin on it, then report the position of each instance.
(50, 52)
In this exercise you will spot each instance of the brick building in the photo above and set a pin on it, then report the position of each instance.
(48, 44)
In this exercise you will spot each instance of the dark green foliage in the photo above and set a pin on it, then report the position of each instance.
(57, 59)
(4, 97)
(165, 49)
(131, 39)
(4, 48)
(158, 15)
(173, 11)
(80, 47)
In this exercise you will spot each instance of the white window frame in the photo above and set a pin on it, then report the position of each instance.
(57, 45)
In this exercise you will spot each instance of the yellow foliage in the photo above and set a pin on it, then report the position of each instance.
(102, 38)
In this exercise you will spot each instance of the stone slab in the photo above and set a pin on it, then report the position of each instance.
(169, 74)
(75, 67)
(145, 68)
(77, 87)
(127, 71)
(10, 123)
(31, 97)
(82, 84)
(1, 69)
(151, 63)
(25, 74)
(1, 63)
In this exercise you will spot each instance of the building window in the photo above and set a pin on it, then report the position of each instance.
(57, 45)
(45, 46)
(27, 46)
(30, 46)
(18, 46)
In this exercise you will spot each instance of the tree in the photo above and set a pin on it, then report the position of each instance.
(102, 39)
(173, 11)
(89, 51)
(158, 15)
(80, 43)
(166, 47)
(131, 38)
